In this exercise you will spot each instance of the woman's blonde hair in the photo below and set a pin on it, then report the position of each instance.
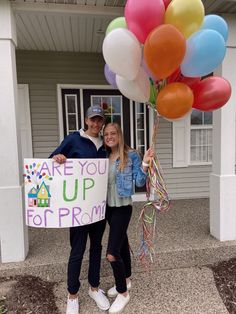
(123, 148)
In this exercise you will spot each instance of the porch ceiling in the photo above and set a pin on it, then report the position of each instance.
(77, 25)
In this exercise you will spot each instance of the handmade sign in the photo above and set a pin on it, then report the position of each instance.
(65, 195)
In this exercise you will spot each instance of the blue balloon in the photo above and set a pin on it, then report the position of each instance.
(216, 23)
(205, 51)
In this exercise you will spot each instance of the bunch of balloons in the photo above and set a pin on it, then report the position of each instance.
(159, 52)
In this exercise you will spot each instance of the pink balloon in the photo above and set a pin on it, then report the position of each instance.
(142, 16)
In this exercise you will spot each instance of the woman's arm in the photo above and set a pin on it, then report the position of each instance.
(140, 168)
(149, 154)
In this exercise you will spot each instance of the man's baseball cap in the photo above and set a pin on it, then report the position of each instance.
(95, 111)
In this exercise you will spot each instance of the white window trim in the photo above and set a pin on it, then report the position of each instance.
(181, 142)
(181, 132)
(67, 114)
(145, 127)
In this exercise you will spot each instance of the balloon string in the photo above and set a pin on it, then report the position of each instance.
(147, 220)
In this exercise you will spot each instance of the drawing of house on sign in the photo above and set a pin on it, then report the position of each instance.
(39, 197)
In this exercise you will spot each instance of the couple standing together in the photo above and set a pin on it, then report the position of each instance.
(125, 168)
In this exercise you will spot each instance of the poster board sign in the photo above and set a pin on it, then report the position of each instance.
(65, 195)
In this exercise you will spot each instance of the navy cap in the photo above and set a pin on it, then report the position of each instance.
(95, 111)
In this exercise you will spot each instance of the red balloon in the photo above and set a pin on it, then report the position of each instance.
(211, 93)
(174, 76)
(190, 81)
(166, 3)
(177, 76)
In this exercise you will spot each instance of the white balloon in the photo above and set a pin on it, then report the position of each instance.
(137, 89)
(122, 52)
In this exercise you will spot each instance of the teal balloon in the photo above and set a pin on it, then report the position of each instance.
(216, 23)
(205, 52)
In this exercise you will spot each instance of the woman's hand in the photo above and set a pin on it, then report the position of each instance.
(149, 154)
(60, 158)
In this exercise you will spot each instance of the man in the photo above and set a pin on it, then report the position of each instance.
(85, 144)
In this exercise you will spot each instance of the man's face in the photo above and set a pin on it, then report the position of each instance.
(94, 125)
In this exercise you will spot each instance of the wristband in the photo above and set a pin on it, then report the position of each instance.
(144, 164)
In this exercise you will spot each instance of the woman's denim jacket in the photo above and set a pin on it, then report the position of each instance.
(132, 175)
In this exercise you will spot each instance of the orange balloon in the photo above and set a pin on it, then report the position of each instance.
(164, 50)
(174, 100)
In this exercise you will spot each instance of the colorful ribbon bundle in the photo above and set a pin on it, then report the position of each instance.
(156, 188)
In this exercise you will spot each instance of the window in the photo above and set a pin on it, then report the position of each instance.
(140, 127)
(71, 113)
(112, 106)
(201, 137)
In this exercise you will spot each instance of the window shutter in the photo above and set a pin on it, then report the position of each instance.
(181, 142)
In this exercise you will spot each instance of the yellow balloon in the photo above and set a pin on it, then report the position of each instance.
(186, 15)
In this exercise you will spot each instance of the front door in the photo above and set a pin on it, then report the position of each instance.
(132, 116)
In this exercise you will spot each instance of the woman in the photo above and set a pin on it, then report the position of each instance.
(125, 169)
(85, 144)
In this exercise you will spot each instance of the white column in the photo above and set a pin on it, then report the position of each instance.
(13, 232)
(223, 179)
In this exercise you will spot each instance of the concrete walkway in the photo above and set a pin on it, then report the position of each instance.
(177, 282)
(176, 291)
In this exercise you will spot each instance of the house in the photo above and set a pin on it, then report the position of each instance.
(39, 197)
(43, 196)
(32, 197)
(51, 70)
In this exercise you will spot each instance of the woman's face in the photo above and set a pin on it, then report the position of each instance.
(111, 138)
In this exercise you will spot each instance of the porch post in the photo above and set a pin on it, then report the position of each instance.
(13, 232)
(223, 179)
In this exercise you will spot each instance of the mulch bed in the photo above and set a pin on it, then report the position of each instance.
(225, 279)
(29, 295)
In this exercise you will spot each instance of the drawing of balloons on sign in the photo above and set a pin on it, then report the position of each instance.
(33, 174)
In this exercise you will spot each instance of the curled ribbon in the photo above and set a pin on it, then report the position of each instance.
(148, 216)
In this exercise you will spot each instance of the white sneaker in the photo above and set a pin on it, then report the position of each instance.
(119, 304)
(100, 299)
(72, 306)
(112, 292)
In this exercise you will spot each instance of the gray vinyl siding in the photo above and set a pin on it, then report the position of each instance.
(187, 182)
(44, 70)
